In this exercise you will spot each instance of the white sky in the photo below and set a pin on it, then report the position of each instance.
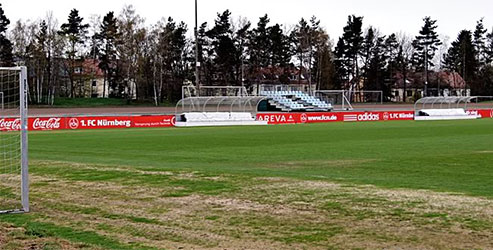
(386, 15)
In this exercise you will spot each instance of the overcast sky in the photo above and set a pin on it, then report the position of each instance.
(386, 15)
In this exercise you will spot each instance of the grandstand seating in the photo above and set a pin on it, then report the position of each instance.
(444, 114)
(296, 101)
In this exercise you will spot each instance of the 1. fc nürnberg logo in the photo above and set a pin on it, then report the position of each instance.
(386, 116)
(51, 123)
(73, 123)
(304, 118)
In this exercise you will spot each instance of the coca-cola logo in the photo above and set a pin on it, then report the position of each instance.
(10, 124)
(51, 123)
(73, 123)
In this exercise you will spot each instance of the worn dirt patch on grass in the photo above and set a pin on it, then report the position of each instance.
(263, 213)
(311, 163)
(485, 152)
(14, 238)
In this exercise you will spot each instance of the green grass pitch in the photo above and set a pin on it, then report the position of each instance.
(338, 185)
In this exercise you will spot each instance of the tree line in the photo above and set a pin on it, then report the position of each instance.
(154, 62)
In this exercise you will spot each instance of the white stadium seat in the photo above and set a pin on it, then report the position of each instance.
(296, 101)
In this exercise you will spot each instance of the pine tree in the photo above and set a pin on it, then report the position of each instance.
(479, 42)
(302, 45)
(280, 46)
(426, 44)
(391, 47)
(258, 49)
(40, 61)
(6, 56)
(489, 48)
(348, 50)
(367, 52)
(462, 57)
(108, 36)
(224, 48)
(241, 39)
(75, 31)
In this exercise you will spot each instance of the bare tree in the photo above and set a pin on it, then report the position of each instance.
(404, 58)
(132, 36)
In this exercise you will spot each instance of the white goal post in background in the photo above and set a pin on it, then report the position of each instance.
(14, 174)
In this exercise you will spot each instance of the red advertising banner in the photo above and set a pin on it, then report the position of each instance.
(295, 118)
(153, 121)
(484, 113)
(89, 122)
(112, 122)
(10, 124)
(162, 121)
(46, 123)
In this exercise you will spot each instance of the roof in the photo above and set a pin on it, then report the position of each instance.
(445, 79)
(91, 67)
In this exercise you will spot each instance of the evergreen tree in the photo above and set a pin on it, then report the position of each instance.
(462, 57)
(259, 44)
(376, 72)
(302, 38)
(205, 55)
(489, 48)
(241, 42)
(75, 31)
(392, 49)
(108, 36)
(479, 42)
(348, 50)
(6, 56)
(40, 61)
(366, 53)
(280, 47)
(425, 45)
(224, 48)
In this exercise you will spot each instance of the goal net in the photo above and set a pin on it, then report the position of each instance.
(14, 184)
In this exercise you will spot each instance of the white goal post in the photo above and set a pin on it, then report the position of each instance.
(14, 174)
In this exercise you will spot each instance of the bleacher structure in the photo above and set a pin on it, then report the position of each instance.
(288, 101)
(449, 108)
(230, 106)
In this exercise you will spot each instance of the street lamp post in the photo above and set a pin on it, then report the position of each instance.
(426, 72)
(197, 63)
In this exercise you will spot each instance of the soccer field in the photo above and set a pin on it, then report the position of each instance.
(337, 185)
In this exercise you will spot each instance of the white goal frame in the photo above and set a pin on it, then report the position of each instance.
(24, 164)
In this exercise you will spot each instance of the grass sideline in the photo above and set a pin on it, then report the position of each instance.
(410, 184)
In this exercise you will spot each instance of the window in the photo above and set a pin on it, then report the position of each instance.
(78, 70)
(94, 83)
(396, 93)
(409, 93)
